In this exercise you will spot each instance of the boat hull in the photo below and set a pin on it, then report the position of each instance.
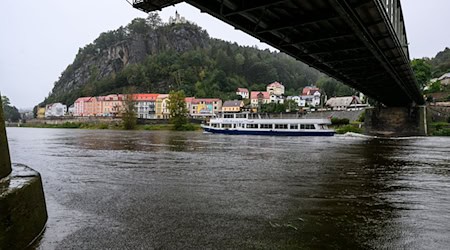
(271, 132)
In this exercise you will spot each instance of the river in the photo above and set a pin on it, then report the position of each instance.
(189, 190)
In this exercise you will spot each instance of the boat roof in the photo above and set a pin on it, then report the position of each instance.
(272, 121)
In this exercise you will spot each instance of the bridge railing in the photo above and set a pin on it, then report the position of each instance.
(394, 12)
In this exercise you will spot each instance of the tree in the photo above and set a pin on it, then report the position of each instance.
(178, 110)
(422, 70)
(11, 113)
(129, 112)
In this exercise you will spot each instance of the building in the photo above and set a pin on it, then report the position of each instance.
(311, 95)
(79, 106)
(40, 113)
(258, 98)
(310, 90)
(205, 107)
(112, 105)
(275, 88)
(345, 103)
(162, 107)
(276, 98)
(145, 105)
(71, 110)
(234, 106)
(243, 92)
(445, 79)
(55, 110)
(297, 99)
(177, 19)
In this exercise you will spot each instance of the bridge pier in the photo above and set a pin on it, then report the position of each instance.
(23, 213)
(396, 121)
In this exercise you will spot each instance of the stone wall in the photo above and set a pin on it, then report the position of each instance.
(395, 121)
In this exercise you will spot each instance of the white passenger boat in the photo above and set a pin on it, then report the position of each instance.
(253, 124)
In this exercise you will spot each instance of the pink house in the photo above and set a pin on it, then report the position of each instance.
(80, 106)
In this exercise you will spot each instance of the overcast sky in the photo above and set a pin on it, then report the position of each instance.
(40, 38)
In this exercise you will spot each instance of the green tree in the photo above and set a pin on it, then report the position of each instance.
(422, 70)
(129, 112)
(178, 110)
(11, 113)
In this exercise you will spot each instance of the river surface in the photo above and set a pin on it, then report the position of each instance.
(190, 190)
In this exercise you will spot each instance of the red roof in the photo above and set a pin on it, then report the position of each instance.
(254, 94)
(310, 90)
(275, 84)
(244, 90)
(83, 99)
(145, 97)
(189, 99)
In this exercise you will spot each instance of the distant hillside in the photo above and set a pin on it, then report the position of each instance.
(157, 57)
(441, 63)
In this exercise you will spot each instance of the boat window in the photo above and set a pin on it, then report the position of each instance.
(294, 126)
(266, 126)
(228, 116)
(240, 115)
(226, 125)
(307, 126)
(234, 125)
(281, 126)
(252, 125)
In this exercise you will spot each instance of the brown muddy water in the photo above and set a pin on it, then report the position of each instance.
(190, 190)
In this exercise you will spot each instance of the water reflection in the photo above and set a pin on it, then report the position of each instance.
(134, 190)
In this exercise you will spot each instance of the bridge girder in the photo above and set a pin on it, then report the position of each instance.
(331, 36)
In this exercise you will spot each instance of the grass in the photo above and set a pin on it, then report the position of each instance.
(348, 128)
(440, 129)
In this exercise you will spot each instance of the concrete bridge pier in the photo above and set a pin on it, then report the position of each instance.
(396, 121)
(23, 213)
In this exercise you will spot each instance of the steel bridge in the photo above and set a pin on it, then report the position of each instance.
(362, 43)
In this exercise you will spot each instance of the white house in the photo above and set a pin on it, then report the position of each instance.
(445, 79)
(243, 92)
(276, 99)
(55, 110)
(297, 99)
(312, 100)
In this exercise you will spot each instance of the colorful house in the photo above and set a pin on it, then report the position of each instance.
(145, 105)
(162, 107)
(205, 107)
(258, 98)
(234, 106)
(40, 113)
(80, 106)
(112, 105)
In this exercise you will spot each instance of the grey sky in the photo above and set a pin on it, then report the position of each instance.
(40, 38)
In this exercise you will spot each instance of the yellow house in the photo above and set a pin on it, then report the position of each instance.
(162, 107)
(234, 106)
(41, 113)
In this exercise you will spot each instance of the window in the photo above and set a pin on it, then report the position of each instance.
(307, 126)
(294, 126)
(266, 126)
(252, 125)
(281, 126)
(228, 116)
(226, 125)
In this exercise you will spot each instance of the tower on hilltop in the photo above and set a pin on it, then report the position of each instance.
(177, 19)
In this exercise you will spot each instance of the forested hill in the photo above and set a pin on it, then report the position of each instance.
(157, 57)
(441, 63)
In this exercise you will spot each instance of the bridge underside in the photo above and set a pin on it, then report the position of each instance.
(353, 41)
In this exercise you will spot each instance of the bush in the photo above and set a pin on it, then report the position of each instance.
(339, 121)
(348, 128)
(439, 125)
(442, 132)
